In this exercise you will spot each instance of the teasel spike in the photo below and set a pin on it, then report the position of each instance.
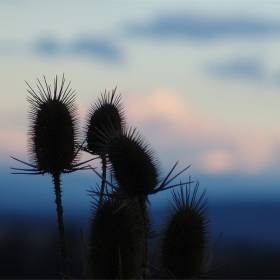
(185, 241)
(53, 129)
(107, 111)
(114, 240)
(144, 219)
(66, 98)
(131, 161)
(107, 136)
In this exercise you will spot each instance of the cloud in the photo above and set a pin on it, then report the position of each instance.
(182, 132)
(250, 69)
(247, 68)
(200, 27)
(48, 46)
(87, 46)
(97, 47)
(13, 141)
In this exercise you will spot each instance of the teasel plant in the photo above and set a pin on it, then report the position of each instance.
(136, 172)
(114, 243)
(52, 142)
(185, 250)
(106, 112)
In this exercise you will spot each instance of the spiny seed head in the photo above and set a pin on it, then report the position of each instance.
(131, 161)
(114, 241)
(186, 236)
(52, 132)
(106, 113)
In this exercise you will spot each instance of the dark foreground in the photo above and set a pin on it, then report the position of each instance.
(29, 246)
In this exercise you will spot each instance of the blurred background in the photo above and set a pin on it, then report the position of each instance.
(199, 79)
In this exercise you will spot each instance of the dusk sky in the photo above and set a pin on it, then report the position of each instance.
(199, 79)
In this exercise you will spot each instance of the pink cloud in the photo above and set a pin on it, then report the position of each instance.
(180, 129)
(13, 141)
(217, 161)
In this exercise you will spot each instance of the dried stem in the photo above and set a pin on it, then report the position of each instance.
(145, 224)
(104, 169)
(59, 209)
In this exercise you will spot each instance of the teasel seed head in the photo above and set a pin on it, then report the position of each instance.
(114, 240)
(106, 112)
(185, 242)
(131, 161)
(52, 132)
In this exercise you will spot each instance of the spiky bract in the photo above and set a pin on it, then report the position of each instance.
(53, 131)
(132, 162)
(106, 112)
(186, 236)
(114, 241)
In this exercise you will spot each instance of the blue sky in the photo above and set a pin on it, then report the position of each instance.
(199, 79)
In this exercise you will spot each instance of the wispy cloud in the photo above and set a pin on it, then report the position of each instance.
(49, 46)
(87, 46)
(248, 68)
(97, 47)
(255, 70)
(202, 27)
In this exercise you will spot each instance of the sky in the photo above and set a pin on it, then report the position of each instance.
(199, 79)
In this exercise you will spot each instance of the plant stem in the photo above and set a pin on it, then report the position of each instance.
(59, 209)
(103, 158)
(145, 221)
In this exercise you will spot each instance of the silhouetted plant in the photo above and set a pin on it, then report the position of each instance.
(106, 112)
(120, 223)
(185, 242)
(52, 141)
(135, 168)
(114, 250)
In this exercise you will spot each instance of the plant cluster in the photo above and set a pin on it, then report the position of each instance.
(121, 222)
